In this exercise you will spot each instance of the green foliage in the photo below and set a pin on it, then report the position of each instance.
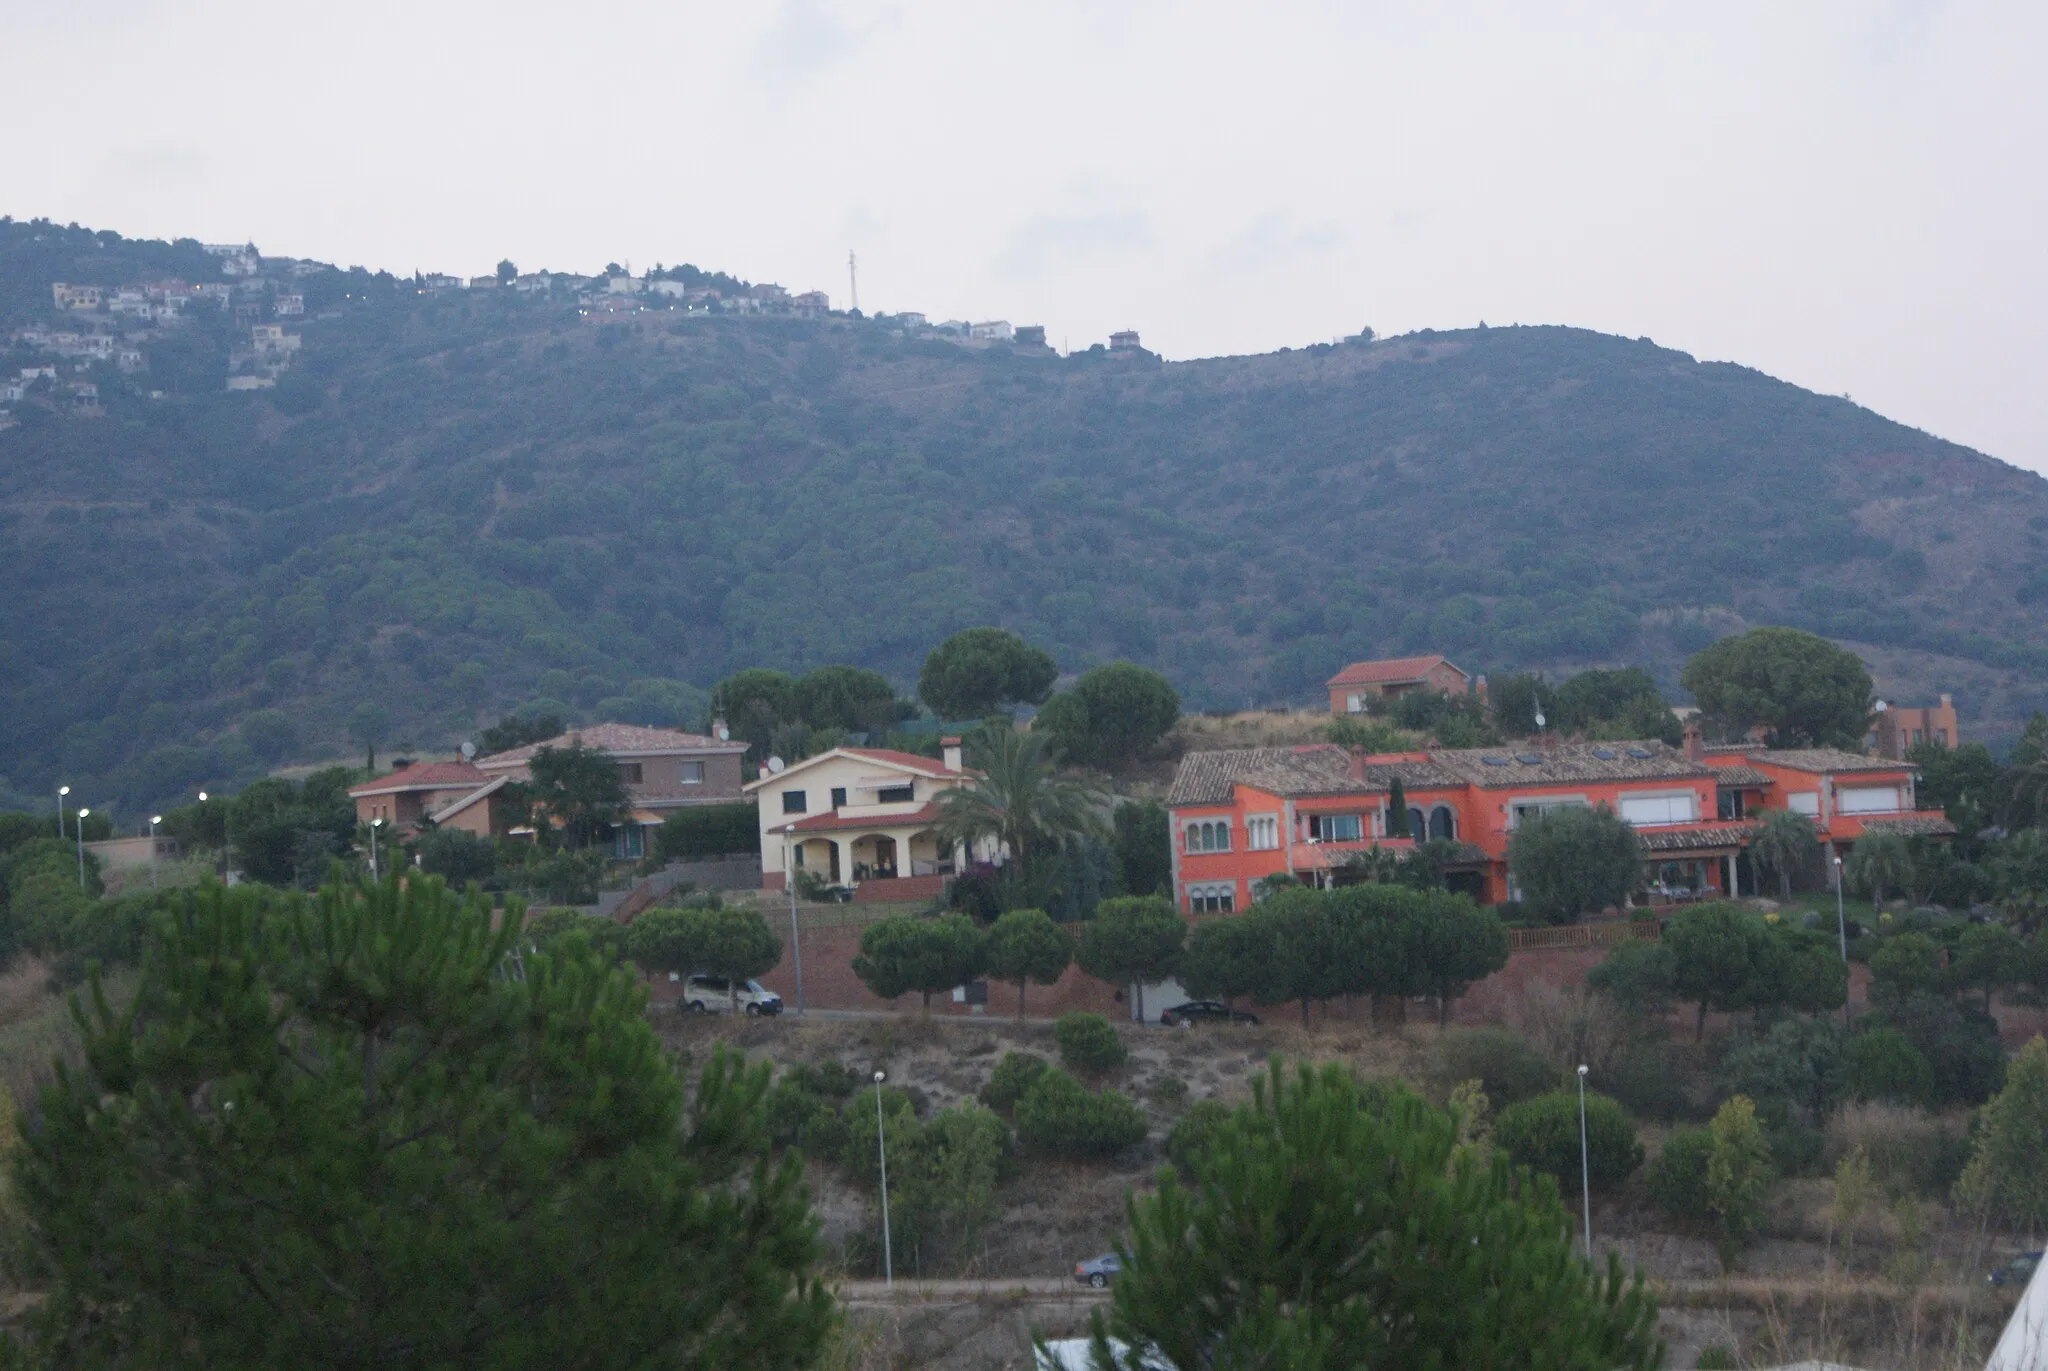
(1639, 977)
(1368, 735)
(579, 790)
(1881, 1063)
(1026, 945)
(1739, 1176)
(2008, 1170)
(457, 857)
(1798, 1060)
(1019, 804)
(1543, 1134)
(1880, 863)
(1060, 1117)
(1573, 861)
(1506, 1067)
(850, 698)
(1802, 689)
(1715, 952)
(1614, 704)
(1088, 1043)
(930, 956)
(377, 1099)
(1112, 715)
(1144, 847)
(1012, 1079)
(1274, 1255)
(1187, 1146)
(285, 833)
(544, 929)
(1783, 844)
(979, 671)
(723, 941)
(1959, 1041)
(517, 730)
(1132, 940)
(1677, 1176)
(1906, 964)
(697, 831)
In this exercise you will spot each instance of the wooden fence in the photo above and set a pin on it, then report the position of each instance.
(1582, 935)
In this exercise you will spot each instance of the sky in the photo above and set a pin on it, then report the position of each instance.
(1834, 191)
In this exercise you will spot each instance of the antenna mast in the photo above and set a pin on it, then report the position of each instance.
(852, 280)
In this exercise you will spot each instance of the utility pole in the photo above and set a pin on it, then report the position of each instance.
(853, 281)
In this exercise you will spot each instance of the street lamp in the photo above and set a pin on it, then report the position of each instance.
(375, 824)
(882, 1150)
(1585, 1167)
(796, 945)
(81, 847)
(1841, 930)
(154, 820)
(62, 791)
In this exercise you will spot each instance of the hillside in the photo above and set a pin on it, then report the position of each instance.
(454, 503)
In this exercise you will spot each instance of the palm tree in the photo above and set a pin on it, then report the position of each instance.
(1783, 843)
(1881, 861)
(1019, 804)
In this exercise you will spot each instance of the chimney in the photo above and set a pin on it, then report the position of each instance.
(1479, 685)
(1695, 745)
(719, 730)
(1948, 702)
(952, 752)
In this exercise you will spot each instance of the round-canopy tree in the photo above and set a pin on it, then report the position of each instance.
(1026, 945)
(979, 671)
(1131, 940)
(1573, 861)
(926, 955)
(1800, 688)
(1112, 714)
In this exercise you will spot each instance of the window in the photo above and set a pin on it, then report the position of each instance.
(796, 854)
(1650, 810)
(793, 802)
(838, 797)
(1442, 823)
(1805, 802)
(1262, 832)
(629, 772)
(1355, 704)
(1335, 828)
(1728, 804)
(1216, 897)
(1209, 837)
(1529, 809)
(691, 773)
(896, 794)
(1868, 800)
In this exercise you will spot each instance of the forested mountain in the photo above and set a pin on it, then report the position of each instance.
(457, 503)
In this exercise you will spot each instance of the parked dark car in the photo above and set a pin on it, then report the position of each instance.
(1098, 1271)
(2018, 1271)
(1205, 1011)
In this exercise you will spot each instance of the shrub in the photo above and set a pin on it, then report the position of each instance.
(1543, 1134)
(1646, 1078)
(1088, 1043)
(1192, 1134)
(709, 831)
(833, 1080)
(1677, 1177)
(824, 1135)
(1739, 1176)
(1060, 1117)
(789, 1107)
(1012, 1079)
(1881, 1063)
(1960, 1043)
(1908, 1150)
(1506, 1067)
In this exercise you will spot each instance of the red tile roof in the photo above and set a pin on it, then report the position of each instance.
(619, 740)
(927, 813)
(1393, 671)
(929, 766)
(425, 776)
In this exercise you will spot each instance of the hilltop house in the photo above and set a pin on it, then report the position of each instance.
(1894, 730)
(1351, 688)
(1244, 814)
(413, 796)
(664, 770)
(861, 816)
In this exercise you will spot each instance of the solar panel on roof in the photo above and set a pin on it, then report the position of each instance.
(1641, 753)
(1494, 761)
(1528, 759)
(1605, 754)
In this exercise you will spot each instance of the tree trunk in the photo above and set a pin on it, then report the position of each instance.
(1443, 1011)
(1138, 993)
(1784, 887)
(1699, 1032)
(1304, 1011)
(927, 1002)
(1020, 1001)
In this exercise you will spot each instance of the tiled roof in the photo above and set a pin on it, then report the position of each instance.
(1741, 776)
(1822, 759)
(1696, 837)
(1912, 826)
(468, 798)
(1415, 774)
(1568, 763)
(424, 776)
(619, 740)
(1392, 671)
(928, 766)
(1206, 778)
(927, 813)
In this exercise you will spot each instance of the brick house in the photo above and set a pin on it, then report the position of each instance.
(1895, 729)
(859, 816)
(664, 770)
(1243, 814)
(1352, 688)
(414, 795)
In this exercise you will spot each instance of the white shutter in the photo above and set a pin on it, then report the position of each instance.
(1868, 800)
(1805, 802)
(1658, 809)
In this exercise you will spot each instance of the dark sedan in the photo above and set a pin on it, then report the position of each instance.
(1205, 1011)
(2018, 1271)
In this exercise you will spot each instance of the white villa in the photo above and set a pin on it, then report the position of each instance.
(856, 814)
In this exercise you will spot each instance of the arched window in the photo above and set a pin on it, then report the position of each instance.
(1442, 823)
(1416, 826)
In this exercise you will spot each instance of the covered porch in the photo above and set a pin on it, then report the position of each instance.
(844, 849)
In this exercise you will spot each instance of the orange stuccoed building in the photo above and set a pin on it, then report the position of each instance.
(1241, 815)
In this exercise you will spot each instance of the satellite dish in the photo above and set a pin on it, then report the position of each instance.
(1539, 718)
(1882, 706)
(775, 765)
(724, 733)
(468, 751)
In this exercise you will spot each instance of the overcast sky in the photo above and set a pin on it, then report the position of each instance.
(1847, 195)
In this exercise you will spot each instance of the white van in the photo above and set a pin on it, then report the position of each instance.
(714, 995)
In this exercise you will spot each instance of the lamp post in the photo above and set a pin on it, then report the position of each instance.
(882, 1150)
(154, 820)
(1841, 930)
(62, 791)
(81, 847)
(796, 944)
(1585, 1167)
(375, 824)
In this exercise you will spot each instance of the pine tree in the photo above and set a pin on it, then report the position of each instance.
(2008, 1170)
(1739, 1176)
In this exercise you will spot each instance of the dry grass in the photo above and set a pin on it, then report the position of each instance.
(1248, 728)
